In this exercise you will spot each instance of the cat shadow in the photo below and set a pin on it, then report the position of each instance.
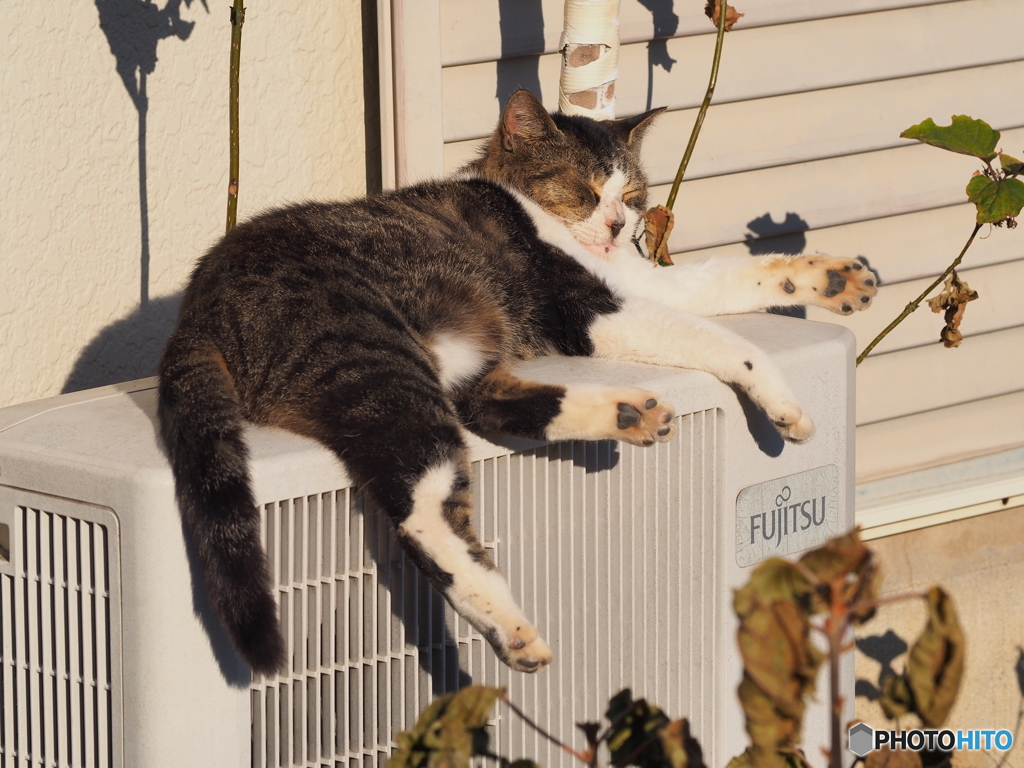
(129, 348)
(764, 433)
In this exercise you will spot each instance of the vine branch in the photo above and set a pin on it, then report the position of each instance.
(237, 19)
(917, 302)
(722, 13)
(565, 747)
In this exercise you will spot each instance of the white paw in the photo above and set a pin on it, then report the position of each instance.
(634, 416)
(643, 419)
(843, 286)
(793, 423)
(530, 656)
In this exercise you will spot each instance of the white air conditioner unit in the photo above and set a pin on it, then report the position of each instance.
(625, 558)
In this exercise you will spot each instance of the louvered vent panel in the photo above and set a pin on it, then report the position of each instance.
(60, 619)
(610, 548)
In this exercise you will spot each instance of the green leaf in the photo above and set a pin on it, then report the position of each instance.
(936, 663)
(1010, 165)
(634, 737)
(996, 200)
(448, 732)
(680, 748)
(964, 135)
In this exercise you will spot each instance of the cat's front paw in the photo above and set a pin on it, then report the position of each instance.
(532, 657)
(792, 422)
(644, 420)
(631, 415)
(795, 428)
(522, 649)
(841, 285)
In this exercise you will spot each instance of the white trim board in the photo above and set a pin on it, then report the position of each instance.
(941, 494)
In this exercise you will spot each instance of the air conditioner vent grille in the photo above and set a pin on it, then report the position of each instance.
(599, 540)
(59, 652)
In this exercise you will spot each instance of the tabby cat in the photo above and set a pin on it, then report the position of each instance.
(384, 327)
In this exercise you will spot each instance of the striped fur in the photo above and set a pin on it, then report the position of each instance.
(384, 327)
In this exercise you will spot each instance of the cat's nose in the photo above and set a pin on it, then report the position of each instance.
(616, 227)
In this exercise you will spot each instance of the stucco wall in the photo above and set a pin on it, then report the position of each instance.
(108, 174)
(980, 562)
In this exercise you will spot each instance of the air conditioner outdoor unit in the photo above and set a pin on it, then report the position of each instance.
(625, 558)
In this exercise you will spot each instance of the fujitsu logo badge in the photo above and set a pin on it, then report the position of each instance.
(776, 523)
(787, 515)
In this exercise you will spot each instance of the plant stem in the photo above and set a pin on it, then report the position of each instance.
(917, 302)
(542, 732)
(723, 8)
(836, 625)
(237, 19)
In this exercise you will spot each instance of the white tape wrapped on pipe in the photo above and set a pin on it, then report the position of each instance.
(590, 22)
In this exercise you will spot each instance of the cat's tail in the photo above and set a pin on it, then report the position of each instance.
(201, 426)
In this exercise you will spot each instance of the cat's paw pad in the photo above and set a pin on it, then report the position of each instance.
(841, 285)
(793, 424)
(526, 651)
(618, 413)
(645, 420)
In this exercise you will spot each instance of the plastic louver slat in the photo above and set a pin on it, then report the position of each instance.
(56, 629)
(609, 548)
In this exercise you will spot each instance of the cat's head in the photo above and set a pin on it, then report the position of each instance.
(585, 172)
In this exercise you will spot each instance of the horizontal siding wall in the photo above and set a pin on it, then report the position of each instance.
(801, 153)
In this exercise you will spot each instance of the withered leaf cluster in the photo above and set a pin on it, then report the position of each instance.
(640, 734)
(449, 731)
(934, 670)
(713, 8)
(780, 664)
(953, 301)
(658, 223)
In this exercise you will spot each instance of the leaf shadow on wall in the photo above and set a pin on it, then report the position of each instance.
(884, 649)
(133, 29)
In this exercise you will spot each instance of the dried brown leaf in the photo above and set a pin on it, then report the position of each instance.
(896, 699)
(840, 556)
(658, 223)
(713, 8)
(953, 301)
(936, 663)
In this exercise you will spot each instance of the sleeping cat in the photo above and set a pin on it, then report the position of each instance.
(384, 327)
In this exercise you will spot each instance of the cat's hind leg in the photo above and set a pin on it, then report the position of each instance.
(402, 442)
(501, 402)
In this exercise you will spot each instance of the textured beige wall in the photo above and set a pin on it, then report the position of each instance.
(980, 562)
(73, 308)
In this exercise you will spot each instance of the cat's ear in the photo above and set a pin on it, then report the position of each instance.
(632, 129)
(525, 121)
